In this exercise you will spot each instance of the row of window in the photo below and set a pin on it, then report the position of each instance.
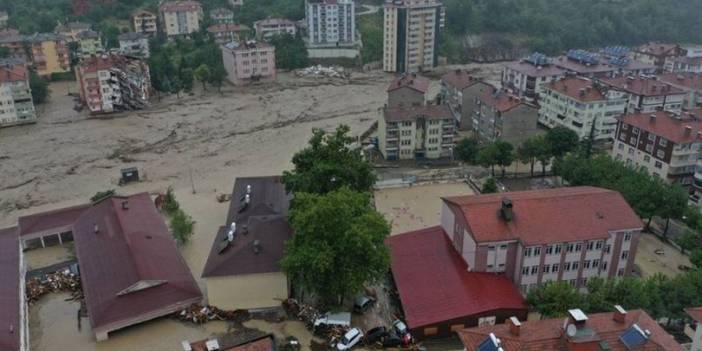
(570, 247)
(570, 266)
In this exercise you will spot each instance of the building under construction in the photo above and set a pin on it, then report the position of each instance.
(113, 83)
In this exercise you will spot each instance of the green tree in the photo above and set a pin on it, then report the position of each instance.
(181, 227)
(39, 87)
(504, 155)
(186, 79)
(329, 163)
(338, 244)
(170, 204)
(102, 195)
(111, 36)
(487, 157)
(690, 241)
(544, 154)
(490, 186)
(673, 205)
(371, 28)
(562, 141)
(467, 150)
(217, 76)
(202, 73)
(528, 151)
(4, 52)
(554, 299)
(696, 258)
(290, 51)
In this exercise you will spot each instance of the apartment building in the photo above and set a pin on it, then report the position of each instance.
(71, 30)
(16, 106)
(134, 44)
(89, 43)
(595, 65)
(618, 330)
(249, 61)
(180, 17)
(407, 90)
(460, 91)
(500, 115)
(267, 28)
(222, 15)
(657, 53)
(227, 32)
(647, 94)
(330, 22)
(666, 144)
(528, 77)
(584, 106)
(145, 22)
(112, 83)
(412, 29)
(690, 83)
(534, 237)
(416, 132)
(50, 53)
(14, 42)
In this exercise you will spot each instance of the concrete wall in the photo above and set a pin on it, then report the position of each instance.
(405, 97)
(519, 124)
(469, 104)
(249, 291)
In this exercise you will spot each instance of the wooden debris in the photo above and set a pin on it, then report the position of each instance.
(62, 281)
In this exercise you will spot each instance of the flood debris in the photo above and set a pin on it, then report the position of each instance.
(61, 281)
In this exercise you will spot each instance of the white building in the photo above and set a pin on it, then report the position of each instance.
(647, 94)
(145, 22)
(330, 22)
(690, 83)
(527, 78)
(411, 35)
(579, 103)
(112, 83)
(180, 17)
(16, 106)
(267, 28)
(134, 44)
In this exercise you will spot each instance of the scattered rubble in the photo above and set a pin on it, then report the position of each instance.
(62, 281)
(322, 71)
(199, 314)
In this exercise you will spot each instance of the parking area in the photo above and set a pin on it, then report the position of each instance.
(654, 256)
(416, 207)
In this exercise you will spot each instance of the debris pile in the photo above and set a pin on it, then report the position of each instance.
(199, 314)
(304, 312)
(321, 71)
(224, 197)
(62, 281)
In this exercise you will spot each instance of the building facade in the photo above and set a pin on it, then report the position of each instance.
(461, 91)
(407, 90)
(330, 22)
(584, 106)
(600, 65)
(248, 62)
(50, 53)
(527, 78)
(89, 43)
(134, 44)
(71, 30)
(145, 22)
(536, 237)
(411, 35)
(112, 83)
(690, 83)
(227, 32)
(647, 94)
(667, 145)
(222, 15)
(180, 17)
(500, 115)
(267, 28)
(657, 53)
(16, 106)
(416, 132)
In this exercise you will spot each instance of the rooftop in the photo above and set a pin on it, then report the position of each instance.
(180, 6)
(435, 285)
(412, 81)
(258, 241)
(532, 70)
(51, 221)
(695, 313)
(546, 216)
(132, 36)
(459, 79)
(582, 68)
(10, 319)
(602, 329)
(684, 81)
(397, 114)
(240, 342)
(657, 49)
(247, 45)
(12, 70)
(227, 27)
(130, 266)
(221, 11)
(578, 88)
(668, 125)
(502, 101)
(642, 86)
(72, 26)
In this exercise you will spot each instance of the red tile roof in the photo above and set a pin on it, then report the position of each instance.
(547, 216)
(412, 81)
(99, 63)
(668, 124)
(435, 285)
(578, 88)
(459, 79)
(531, 70)
(232, 342)
(397, 114)
(51, 222)
(547, 335)
(502, 101)
(12, 71)
(642, 86)
(180, 6)
(133, 248)
(683, 81)
(265, 219)
(695, 313)
(658, 49)
(10, 320)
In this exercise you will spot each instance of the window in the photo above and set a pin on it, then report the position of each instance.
(620, 272)
(572, 282)
(525, 270)
(599, 245)
(534, 270)
(590, 245)
(607, 248)
(547, 269)
(537, 251)
(549, 249)
(566, 266)
(570, 248)
(586, 264)
(604, 265)
(575, 265)
(527, 252)
(658, 164)
(554, 267)
(503, 247)
(625, 254)
(491, 248)
(578, 247)
(663, 142)
(431, 331)
(558, 249)
(627, 236)
(489, 320)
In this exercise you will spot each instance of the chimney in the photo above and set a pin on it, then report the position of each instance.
(688, 130)
(256, 246)
(652, 118)
(514, 325)
(619, 315)
(506, 210)
(577, 317)
(125, 205)
(96, 228)
(582, 92)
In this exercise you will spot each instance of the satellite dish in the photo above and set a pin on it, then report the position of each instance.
(571, 330)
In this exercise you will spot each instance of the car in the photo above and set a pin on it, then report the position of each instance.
(350, 339)
(363, 304)
(392, 340)
(400, 327)
(376, 334)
